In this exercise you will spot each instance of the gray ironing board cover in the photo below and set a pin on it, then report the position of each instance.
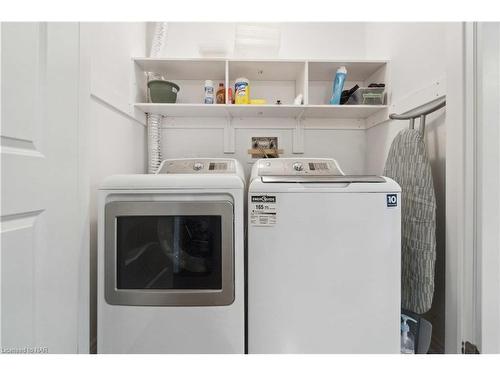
(408, 164)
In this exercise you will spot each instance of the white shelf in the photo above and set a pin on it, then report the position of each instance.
(271, 80)
(183, 110)
(269, 110)
(342, 111)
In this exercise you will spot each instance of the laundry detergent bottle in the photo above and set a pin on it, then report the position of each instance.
(407, 339)
(338, 85)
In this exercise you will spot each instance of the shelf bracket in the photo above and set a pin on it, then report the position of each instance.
(298, 135)
(229, 135)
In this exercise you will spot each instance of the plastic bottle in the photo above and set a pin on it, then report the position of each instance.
(338, 85)
(221, 94)
(242, 91)
(209, 92)
(407, 339)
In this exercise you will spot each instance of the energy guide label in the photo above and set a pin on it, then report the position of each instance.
(263, 210)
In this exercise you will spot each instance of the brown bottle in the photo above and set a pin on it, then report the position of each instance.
(221, 94)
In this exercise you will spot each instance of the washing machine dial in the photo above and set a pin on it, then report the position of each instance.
(198, 166)
(298, 167)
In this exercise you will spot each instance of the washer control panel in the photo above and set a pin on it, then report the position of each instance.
(195, 166)
(299, 167)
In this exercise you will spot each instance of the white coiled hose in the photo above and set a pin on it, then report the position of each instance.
(154, 121)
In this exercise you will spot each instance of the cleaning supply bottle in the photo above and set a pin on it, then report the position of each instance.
(338, 85)
(221, 94)
(242, 91)
(209, 92)
(407, 339)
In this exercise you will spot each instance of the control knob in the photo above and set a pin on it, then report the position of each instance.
(198, 166)
(298, 167)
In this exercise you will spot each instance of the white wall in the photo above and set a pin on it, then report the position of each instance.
(347, 146)
(418, 60)
(117, 141)
(298, 39)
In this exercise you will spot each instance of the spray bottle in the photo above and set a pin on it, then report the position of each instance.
(338, 85)
(407, 339)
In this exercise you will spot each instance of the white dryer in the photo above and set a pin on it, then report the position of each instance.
(171, 259)
(323, 259)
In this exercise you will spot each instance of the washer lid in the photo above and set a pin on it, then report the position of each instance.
(306, 170)
(324, 179)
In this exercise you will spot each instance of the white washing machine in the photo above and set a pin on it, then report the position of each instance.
(323, 259)
(171, 259)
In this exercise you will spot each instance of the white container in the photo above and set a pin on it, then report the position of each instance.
(209, 92)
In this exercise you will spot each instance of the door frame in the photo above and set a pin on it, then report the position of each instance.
(472, 195)
(460, 186)
(84, 193)
(486, 269)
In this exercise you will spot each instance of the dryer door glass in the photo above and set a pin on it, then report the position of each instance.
(169, 252)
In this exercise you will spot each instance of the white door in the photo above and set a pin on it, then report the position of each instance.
(41, 225)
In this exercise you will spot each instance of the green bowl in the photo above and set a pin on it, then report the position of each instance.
(163, 91)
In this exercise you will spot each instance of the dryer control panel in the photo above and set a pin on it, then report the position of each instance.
(299, 167)
(198, 166)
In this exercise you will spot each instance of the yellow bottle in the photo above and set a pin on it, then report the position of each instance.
(242, 91)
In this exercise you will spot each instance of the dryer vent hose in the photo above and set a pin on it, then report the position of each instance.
(154, 142)
(154, 121)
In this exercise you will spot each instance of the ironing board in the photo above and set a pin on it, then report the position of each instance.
(408, 164)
